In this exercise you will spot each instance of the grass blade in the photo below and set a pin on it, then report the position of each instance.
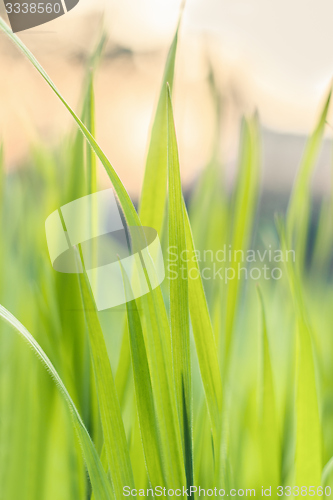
(116, 447)
(125, 201)
(269, 431)
(308, 457)
(242, 223)
(123, 373)
(204, 342)
(179, 309)
(90, 122)
(136, 451)
(299, 204)
(143, 389)
(77, 181)
(152, 206)
(153, 196)
(157, 338)
(99, 481)
(308, 439)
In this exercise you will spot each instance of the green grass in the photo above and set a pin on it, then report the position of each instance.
(218, 383)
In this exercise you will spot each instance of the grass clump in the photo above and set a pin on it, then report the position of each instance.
(202, 382)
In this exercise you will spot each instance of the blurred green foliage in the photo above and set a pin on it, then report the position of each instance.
(199, 381)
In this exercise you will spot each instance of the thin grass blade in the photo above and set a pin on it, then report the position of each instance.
(299, 204)
(123, 372)
(268, 421)
(308, 455)
(90, 123)
(179, 308)
(143, 389)
(116, 447)
(204, 342)
(125, 201)
(245, 202)
(99, 480)
(153, 196)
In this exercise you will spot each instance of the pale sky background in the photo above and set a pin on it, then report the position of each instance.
(282, 49)
(276, 56)
(285, 46)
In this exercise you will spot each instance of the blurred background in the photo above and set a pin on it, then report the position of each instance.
(275, 57)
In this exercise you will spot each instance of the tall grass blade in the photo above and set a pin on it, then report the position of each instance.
(153, 196)
(204, 342)
(151, 211)
(123, 372)
(242, 223)
(143, 389)
(299, 204)
(179, 309)
(116, 447)
(99, 481)
(156, 332)
(90, 123)
(77, 186)
(268, 421)
(136, 451)
(308, 439)
(125, 201)
(308, 457)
